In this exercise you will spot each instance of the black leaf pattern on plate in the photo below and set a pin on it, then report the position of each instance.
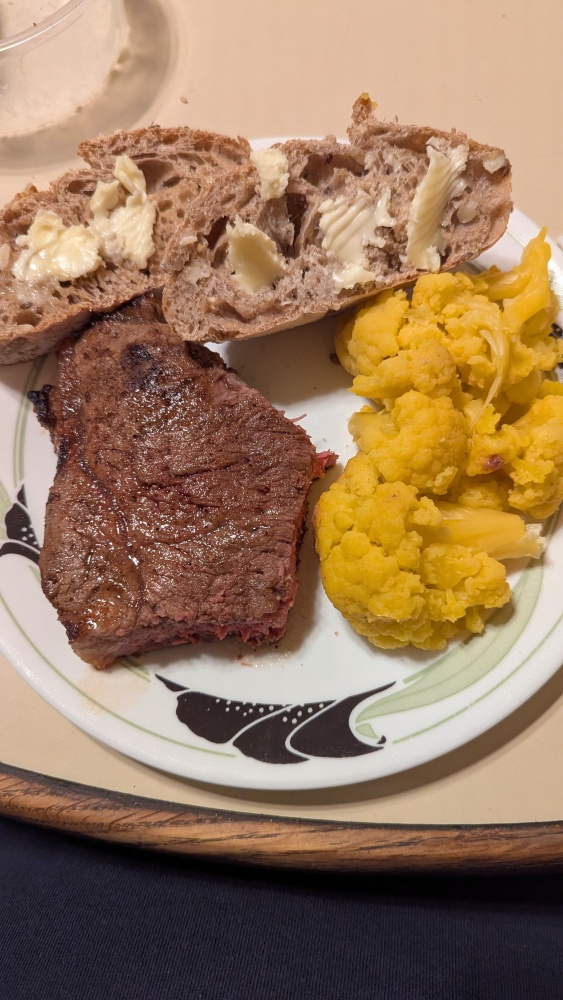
(272, 740)
(274, 733)
(215, 719)
(329, 734)
(22, 540)
(267, 741)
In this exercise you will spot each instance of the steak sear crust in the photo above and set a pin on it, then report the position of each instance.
(179, 499)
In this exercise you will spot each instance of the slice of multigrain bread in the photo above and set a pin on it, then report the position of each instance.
(176, 163)
(345, 221)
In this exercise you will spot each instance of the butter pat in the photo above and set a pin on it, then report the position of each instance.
(118, 232)
(438, 186)
(125, 231)
(254, 258)
(195, 270)
(495, 163)
(347, 228)
(105, 198)
(273, 171)
(53, 250)
(352, 275)
(382, 216)
(467, 211)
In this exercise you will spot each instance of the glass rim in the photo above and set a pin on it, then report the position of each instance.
(32, 34)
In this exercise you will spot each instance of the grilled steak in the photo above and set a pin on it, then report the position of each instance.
(179, 499)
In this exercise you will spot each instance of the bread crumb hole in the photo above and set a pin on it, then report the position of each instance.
(27, 318)
(216, 232)
(80, 187)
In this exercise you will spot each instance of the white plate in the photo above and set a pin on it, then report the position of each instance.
(323, 708)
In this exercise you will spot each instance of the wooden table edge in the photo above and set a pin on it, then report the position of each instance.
(276, 841)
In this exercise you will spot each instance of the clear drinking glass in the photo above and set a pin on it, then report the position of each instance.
(58, 59)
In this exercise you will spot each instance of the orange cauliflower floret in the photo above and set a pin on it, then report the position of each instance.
(403, 569)
(428, 368)
(485, 338)
(492, 447)
(371, 335)
(536, 470)
(422, 442)
(480, 491)
(527, 454)
(471, 326)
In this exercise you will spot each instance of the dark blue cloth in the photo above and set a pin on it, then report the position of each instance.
(81, 920)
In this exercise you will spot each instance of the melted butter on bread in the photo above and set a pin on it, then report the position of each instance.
(273, 171)
(438, 186)
(382, 214)
(494, 163)
(467, 211)
(347, 228)
(351, 275)
(118, 232)
(254, 258)
(53, 250)
(125, 231)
